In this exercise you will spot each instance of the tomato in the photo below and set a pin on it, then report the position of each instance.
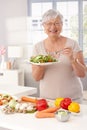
(74, 107)
(65, 103)
(41, 104)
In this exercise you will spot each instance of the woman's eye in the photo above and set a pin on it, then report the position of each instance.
(57, 24)
(49, 24)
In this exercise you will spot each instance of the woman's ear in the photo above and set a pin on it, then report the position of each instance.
(44, 31)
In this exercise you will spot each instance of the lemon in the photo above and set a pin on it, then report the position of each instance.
(74, 107)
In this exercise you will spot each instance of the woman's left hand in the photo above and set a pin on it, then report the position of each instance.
(77, 61)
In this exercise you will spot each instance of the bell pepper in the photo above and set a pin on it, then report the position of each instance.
(65, 103)
(41, 104)
(58, 101)
(74, 107)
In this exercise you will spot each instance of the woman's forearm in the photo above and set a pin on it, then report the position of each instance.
(78, 68)
(38, 72)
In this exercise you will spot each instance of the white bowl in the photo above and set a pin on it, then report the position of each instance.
(62, 115)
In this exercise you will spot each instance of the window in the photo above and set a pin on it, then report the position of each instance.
(70, 23)
(75, 20)
(85, 28)
(35, 31)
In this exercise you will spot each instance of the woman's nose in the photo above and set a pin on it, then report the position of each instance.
(53, 25)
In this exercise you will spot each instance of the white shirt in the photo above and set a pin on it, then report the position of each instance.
(59, 79)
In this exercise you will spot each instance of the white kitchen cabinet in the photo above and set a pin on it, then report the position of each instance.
(12, 77)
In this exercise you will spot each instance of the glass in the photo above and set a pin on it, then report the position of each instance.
(57, 24)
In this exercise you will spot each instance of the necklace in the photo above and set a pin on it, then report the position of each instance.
(54, 52)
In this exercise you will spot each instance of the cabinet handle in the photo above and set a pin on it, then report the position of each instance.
(1, 74)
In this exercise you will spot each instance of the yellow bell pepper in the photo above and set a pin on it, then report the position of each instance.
(74, 107)
(58, 101)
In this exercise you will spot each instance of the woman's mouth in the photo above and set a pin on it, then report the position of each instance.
(53, 31)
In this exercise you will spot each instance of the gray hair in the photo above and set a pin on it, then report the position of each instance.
(51, 14)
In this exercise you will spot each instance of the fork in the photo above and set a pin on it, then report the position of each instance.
(58, 52)
(55, 52)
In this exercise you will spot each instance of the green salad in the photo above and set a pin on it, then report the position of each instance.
(42, 59)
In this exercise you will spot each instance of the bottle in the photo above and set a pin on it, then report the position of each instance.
(3, 63)
(8, 65)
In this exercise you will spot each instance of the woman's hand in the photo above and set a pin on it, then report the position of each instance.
(77, 61)
(68, 52)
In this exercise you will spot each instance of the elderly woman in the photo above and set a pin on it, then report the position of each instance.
(62, 79)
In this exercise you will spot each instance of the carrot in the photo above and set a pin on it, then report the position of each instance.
(1, 103)
(50, 110)
(47, 113)
(44, 115)
(28, 99)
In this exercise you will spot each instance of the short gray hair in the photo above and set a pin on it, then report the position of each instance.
(51, 14)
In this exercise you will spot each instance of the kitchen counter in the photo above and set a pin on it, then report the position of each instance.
(17, 90)
(30, 122)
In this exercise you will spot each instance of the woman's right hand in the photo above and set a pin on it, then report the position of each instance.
(69, 53)
(38, 72)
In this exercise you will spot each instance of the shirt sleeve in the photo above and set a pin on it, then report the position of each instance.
(76, 47)
(35, 51)
(38, 49)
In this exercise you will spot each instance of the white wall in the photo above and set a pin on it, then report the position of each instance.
(10, 9)
(13, 31)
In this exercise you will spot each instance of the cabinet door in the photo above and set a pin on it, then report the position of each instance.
(9, 77)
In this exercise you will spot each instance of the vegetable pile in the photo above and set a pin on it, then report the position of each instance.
(41, 106)
(67, 104)
(18, 107)
(42, 59)
(5, 98)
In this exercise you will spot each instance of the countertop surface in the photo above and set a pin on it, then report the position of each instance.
(30, 122)
(17, 90)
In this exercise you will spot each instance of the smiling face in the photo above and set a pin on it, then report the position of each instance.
(53, 27)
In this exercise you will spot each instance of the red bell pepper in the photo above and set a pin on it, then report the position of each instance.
(65, 103)
(41, 104)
